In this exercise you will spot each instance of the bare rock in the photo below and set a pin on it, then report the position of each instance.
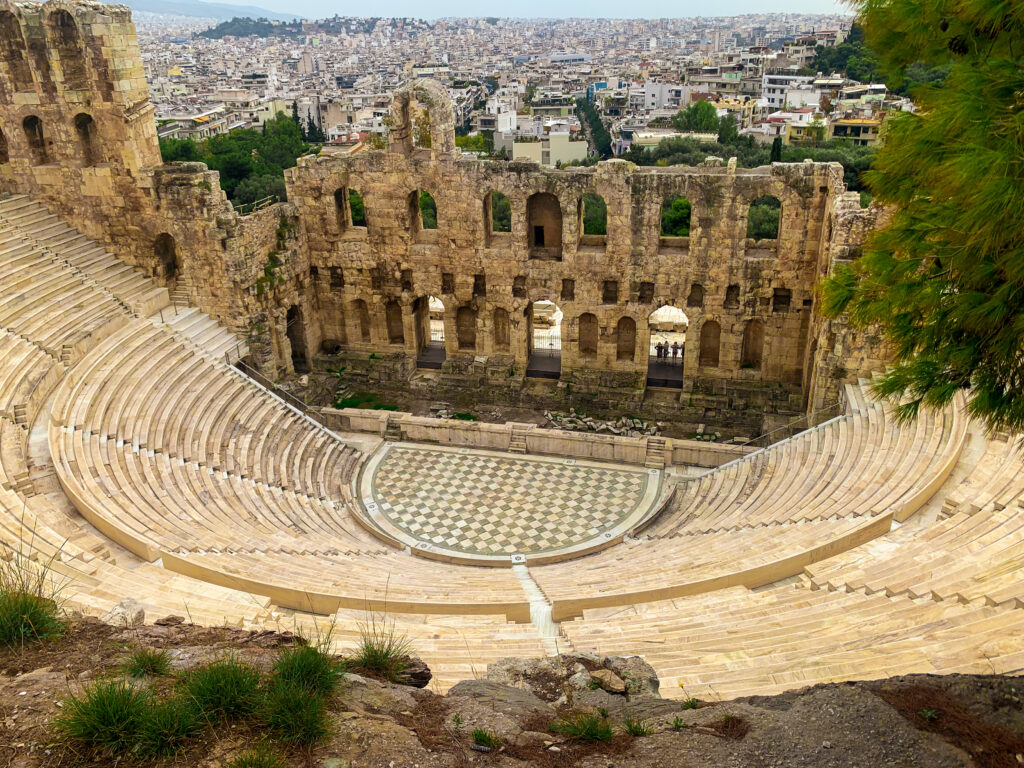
(127, 613)
(608, 680)
(417, 673)
(639, 676)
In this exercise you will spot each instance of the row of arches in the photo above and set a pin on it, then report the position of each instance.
(544, 216)
(38, 141)
(63, 37)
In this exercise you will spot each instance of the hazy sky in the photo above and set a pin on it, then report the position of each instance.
(546, 8)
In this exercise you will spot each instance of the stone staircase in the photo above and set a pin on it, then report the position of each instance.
(655, 458)
(518, 439)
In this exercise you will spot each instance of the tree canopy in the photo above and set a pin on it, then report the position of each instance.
(699, 117)
(945, 279)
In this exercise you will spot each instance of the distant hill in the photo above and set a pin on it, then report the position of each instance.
(205, 10)
(338, 25)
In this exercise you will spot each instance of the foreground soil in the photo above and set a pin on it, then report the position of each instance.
(958, 721)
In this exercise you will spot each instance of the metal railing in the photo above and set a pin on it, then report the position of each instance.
(284, 394)
(801, 423)
(246, 208)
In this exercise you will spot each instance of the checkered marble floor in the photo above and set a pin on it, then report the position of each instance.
(496, 505)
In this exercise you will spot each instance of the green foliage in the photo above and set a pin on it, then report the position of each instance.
(309, 667)
(501, 213)
(382, 650)
(728, 131)
(776, 155)
(246, 27)
(105, 718)
(602, 140)
(260, 756)
(675, 217)
(270, 279)
(357, 400)
(484, 738)
(227, 689)
(428, 210)
(166, 727)
(246, 155)
(29, 610)
(636, 727)
(584, 727)
(595, 215)
(678, 723)
(763, 218)
(356, 208)
(147, 662)
(945, 279)
(690, 703)
(293, 713)
(931, 715)
(481, 143)
(700, 117)
(465, 416)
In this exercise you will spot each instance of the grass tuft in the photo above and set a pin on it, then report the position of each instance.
(484, 738)
(227, 689)
(295, 714)
(584, 727)
(147, 662)
(309, 667)
(29, 609)
(106, 717)
(636, 727)
(258, 757)
(166, 726)
(382, 650)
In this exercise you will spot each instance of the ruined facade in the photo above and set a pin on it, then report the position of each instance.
(312, 282)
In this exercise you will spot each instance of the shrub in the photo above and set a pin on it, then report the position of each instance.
(259, 757)
(584, 727)
(678, 723)
(166, 726)
(295, 714)
(484, 738)
(28, 602)
(931, 715)
(227, 689)
(147, 662)
(465, 416)
(636, 727)
(309, 667)
(107, 717)
(690, 703)
(383, 651)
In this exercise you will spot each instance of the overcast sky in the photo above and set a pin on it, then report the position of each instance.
(651, 9)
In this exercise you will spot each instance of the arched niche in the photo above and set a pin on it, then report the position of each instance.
(502, 341)
(361, 315)
(393, 318)
(465, 328)
(753, 345)
(710, 344)
(13, 53)
(544, 226)
(36, 140)
(165, 257)
(296, 332)
(88, 142)
(625, 338)
(589, 332)
(412, 100)
(66, 40)
(695, 300)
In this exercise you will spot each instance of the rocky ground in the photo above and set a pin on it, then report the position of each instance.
(918, 720)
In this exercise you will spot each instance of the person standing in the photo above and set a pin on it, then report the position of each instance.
(675, 350)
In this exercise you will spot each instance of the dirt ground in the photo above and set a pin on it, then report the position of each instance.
(918, 721)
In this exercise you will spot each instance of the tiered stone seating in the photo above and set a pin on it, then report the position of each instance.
(760, 519)
(27, 373)
(737, 642)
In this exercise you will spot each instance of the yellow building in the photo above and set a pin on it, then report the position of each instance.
(862, 131)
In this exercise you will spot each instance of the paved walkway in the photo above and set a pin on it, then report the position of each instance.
(489, 503)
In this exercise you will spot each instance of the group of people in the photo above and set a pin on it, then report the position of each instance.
(663, 349)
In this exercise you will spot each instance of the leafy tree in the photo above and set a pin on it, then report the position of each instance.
(602, 140)
(675, 217)
(727, 130)
(174, 150)
(944, 281)
(699, 117)
(254, 188)
(357, 208)
(295, 113)
(763, 218)
(501, 213)
(428, 210)
(776, 156)
(482, 142)
(313, 130)
(421, 129)
(595, 215)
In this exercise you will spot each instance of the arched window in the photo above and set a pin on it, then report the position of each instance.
(66, 40)
(588, 334)
(393, 315)
(85, 131)
(544, 226)
(33, 128)
(675, 217)
(625, 338)
(465, 327)
(12, 51)
(5, 152)
(165, 252)
(356, 209)
(594, 214)
(753, 345)
(696, 297)
(362, 318)
(732, 297)
(428, 210)
(501, 330)
(763, 218)
(710, 341)
(296, 332)
(500, 213)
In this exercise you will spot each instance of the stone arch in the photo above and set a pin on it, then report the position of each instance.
(88, 144)
(502, 340)
(393, 316)
(732, 297)
(361, 313)
(675, 216)
(5, 150)
(589, 331)
(625, 338)
(764, 217)
(593, 215)
(465, 327)
(36, 139)
(13, 53)
(66, 40)
(295, 330)
(498, 212)
(432, 97)
(710, 344)
(165, 253)
(696, 297)
(753, 345)
(544, 226)
(667, 324)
